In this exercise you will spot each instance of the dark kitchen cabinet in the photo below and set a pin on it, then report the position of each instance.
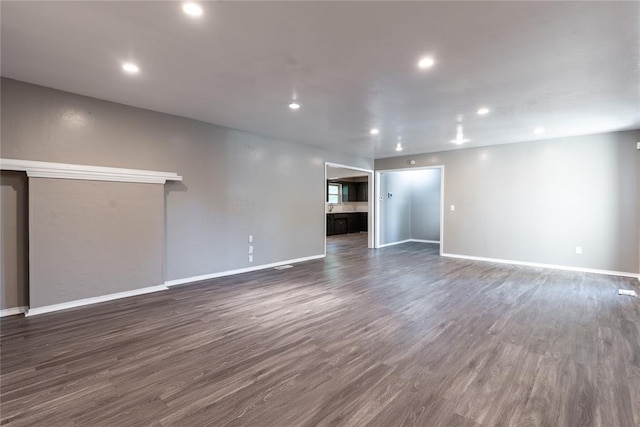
(343, 223)
(355, 191)
(363, 221)
(330, 228)
(353, 223)
(340, 225)
(362, 192)
(349, 192)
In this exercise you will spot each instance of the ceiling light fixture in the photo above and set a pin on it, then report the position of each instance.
(294, 105)
(426, 62)
(130, 68)
(399, 145)
(483, 111)
(460, 139)
(539, 130)
(374, 131)
(192, 9)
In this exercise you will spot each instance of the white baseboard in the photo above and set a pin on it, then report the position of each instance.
(551, 266)
(93, 300)
(12, 311)
(200, 278)
(407, 241)
(384, 245)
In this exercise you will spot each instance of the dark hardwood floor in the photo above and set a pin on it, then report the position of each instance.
(396, 336)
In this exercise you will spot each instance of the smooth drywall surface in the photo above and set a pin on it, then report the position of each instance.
(425, 204)
(538, 201)
(413, 210)
(92, 238)
(14, 228)
(395, 207)
(235, 183)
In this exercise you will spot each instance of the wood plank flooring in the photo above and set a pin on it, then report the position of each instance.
(392, 337)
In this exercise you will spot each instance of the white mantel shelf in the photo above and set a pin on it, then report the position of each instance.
(36, 169)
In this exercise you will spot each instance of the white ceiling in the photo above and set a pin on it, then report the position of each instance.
(571, 67)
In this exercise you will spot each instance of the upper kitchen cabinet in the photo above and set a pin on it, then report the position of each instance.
(363, 192)
(355, 191)
(349, 192)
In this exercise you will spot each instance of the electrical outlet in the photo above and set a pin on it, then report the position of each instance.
(250, 249)
(250, 258)
(453, 208)
(579, 250)
(250, 238)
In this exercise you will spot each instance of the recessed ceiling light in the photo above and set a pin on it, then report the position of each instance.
(539, 130)
(399, 145)
(294, 105)
(483, 111)
(460, 139)
(374, 131)
(192, 9)
(426, 62)
(130, 67)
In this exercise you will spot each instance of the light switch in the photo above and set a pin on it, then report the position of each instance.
(250, 249)
(250, 238)
(579, 250)
(453, 208)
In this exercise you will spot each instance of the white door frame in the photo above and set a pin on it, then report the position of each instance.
(377, 204)
(371, 217)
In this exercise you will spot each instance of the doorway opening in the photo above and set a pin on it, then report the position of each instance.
(349, 213)
(410, 206)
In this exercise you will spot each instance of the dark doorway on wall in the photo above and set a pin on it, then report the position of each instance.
(348, 207)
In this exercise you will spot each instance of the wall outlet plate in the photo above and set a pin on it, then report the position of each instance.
(579, 250)
(627, 292)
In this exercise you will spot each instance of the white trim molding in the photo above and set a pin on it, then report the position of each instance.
(399, 242)
(194, 279)
(541, 265)
(407, 241)
(35, 169)
(94, 300)
(13, 311)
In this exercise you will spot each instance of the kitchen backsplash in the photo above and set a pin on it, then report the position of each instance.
(347, 207)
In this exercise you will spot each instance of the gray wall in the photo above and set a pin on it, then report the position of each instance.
(414, 210)
(537, 201)
(14, 229)
(395, 212)
(92, 238)
(425, 204)
(235, 183)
